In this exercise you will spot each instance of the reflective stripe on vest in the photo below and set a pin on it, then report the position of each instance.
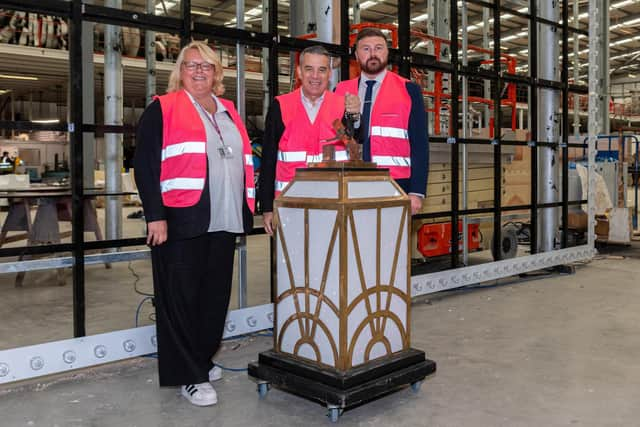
(248, 159)
(292, 156)
(389, 132)
(391, 160)
(302, 156)
(181, 184)
(188, 147)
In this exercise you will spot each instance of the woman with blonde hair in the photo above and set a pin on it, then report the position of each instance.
(194, 172)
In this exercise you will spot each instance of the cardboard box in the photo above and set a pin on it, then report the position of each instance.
(578, 220)
(602, 227)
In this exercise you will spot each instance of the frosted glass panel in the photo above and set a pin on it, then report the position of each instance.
(391, 218)
(399, 308)
(315, 189)
(292, 221)
(366, 224)
(284, 310)
(360, 345)
(378, 350)
(364, 189)
(321, 225)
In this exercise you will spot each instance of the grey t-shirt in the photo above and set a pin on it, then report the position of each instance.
(226, 174)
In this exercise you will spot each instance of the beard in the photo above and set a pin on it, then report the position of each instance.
(373, 65)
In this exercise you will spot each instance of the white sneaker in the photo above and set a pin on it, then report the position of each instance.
(200, 394)
(215, 373)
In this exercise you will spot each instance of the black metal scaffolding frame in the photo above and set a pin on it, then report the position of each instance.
(76, 12)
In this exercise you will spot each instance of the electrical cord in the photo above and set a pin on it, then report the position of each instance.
(137, 280)
(250, 335)
(225, 368)
(145, 299)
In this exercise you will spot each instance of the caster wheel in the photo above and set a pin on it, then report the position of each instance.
(416, 386)
(263, 389)
(334, 413)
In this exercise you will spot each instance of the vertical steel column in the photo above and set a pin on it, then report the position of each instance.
(273, 50)
(345, 30)
(485, 45)
(13, 112)
(301, 22)
(240, 66)
(465, 129)
(273, 92)
(548, 126)
(439, 12)
(404, 15)
(88, 102)
(113, 115)
(576, 69)
(533, 122)
(241, 243)
(454, 133)
(595, 124)
(187, 23)
(497, 136)
(356, 11)
(565, 123)
(604, 67)
(77, 190)
(150, 57)
(266, 100)
(326, 13)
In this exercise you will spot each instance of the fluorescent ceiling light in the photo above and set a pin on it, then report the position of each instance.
(622, 3)
(249, 15)
(3, 91)
(629, 23)
(47, 121)
(367, 4)
(170, 4)
(14, 77)
(420, 18)
(633, 76)
(625, 41)
(200, 12)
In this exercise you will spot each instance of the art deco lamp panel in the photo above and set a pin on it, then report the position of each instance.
(308, 284)
(369, 189)
(312, 189)
(377, 283)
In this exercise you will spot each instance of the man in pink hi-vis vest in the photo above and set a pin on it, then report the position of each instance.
(393, 124)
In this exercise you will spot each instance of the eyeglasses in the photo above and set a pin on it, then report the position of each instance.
(205, 67)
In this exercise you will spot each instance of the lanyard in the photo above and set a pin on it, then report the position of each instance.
(213, 122)
(224, 151)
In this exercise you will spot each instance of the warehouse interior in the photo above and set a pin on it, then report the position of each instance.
(530, 318)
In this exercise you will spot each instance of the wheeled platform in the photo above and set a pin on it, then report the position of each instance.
(337, 390)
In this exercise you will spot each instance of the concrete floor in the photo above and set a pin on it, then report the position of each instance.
(556, 351)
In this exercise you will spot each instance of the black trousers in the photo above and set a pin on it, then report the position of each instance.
(192, 285)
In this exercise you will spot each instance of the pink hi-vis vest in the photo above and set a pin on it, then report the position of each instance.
(183, 169)
(389, 124)
(302, 141)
